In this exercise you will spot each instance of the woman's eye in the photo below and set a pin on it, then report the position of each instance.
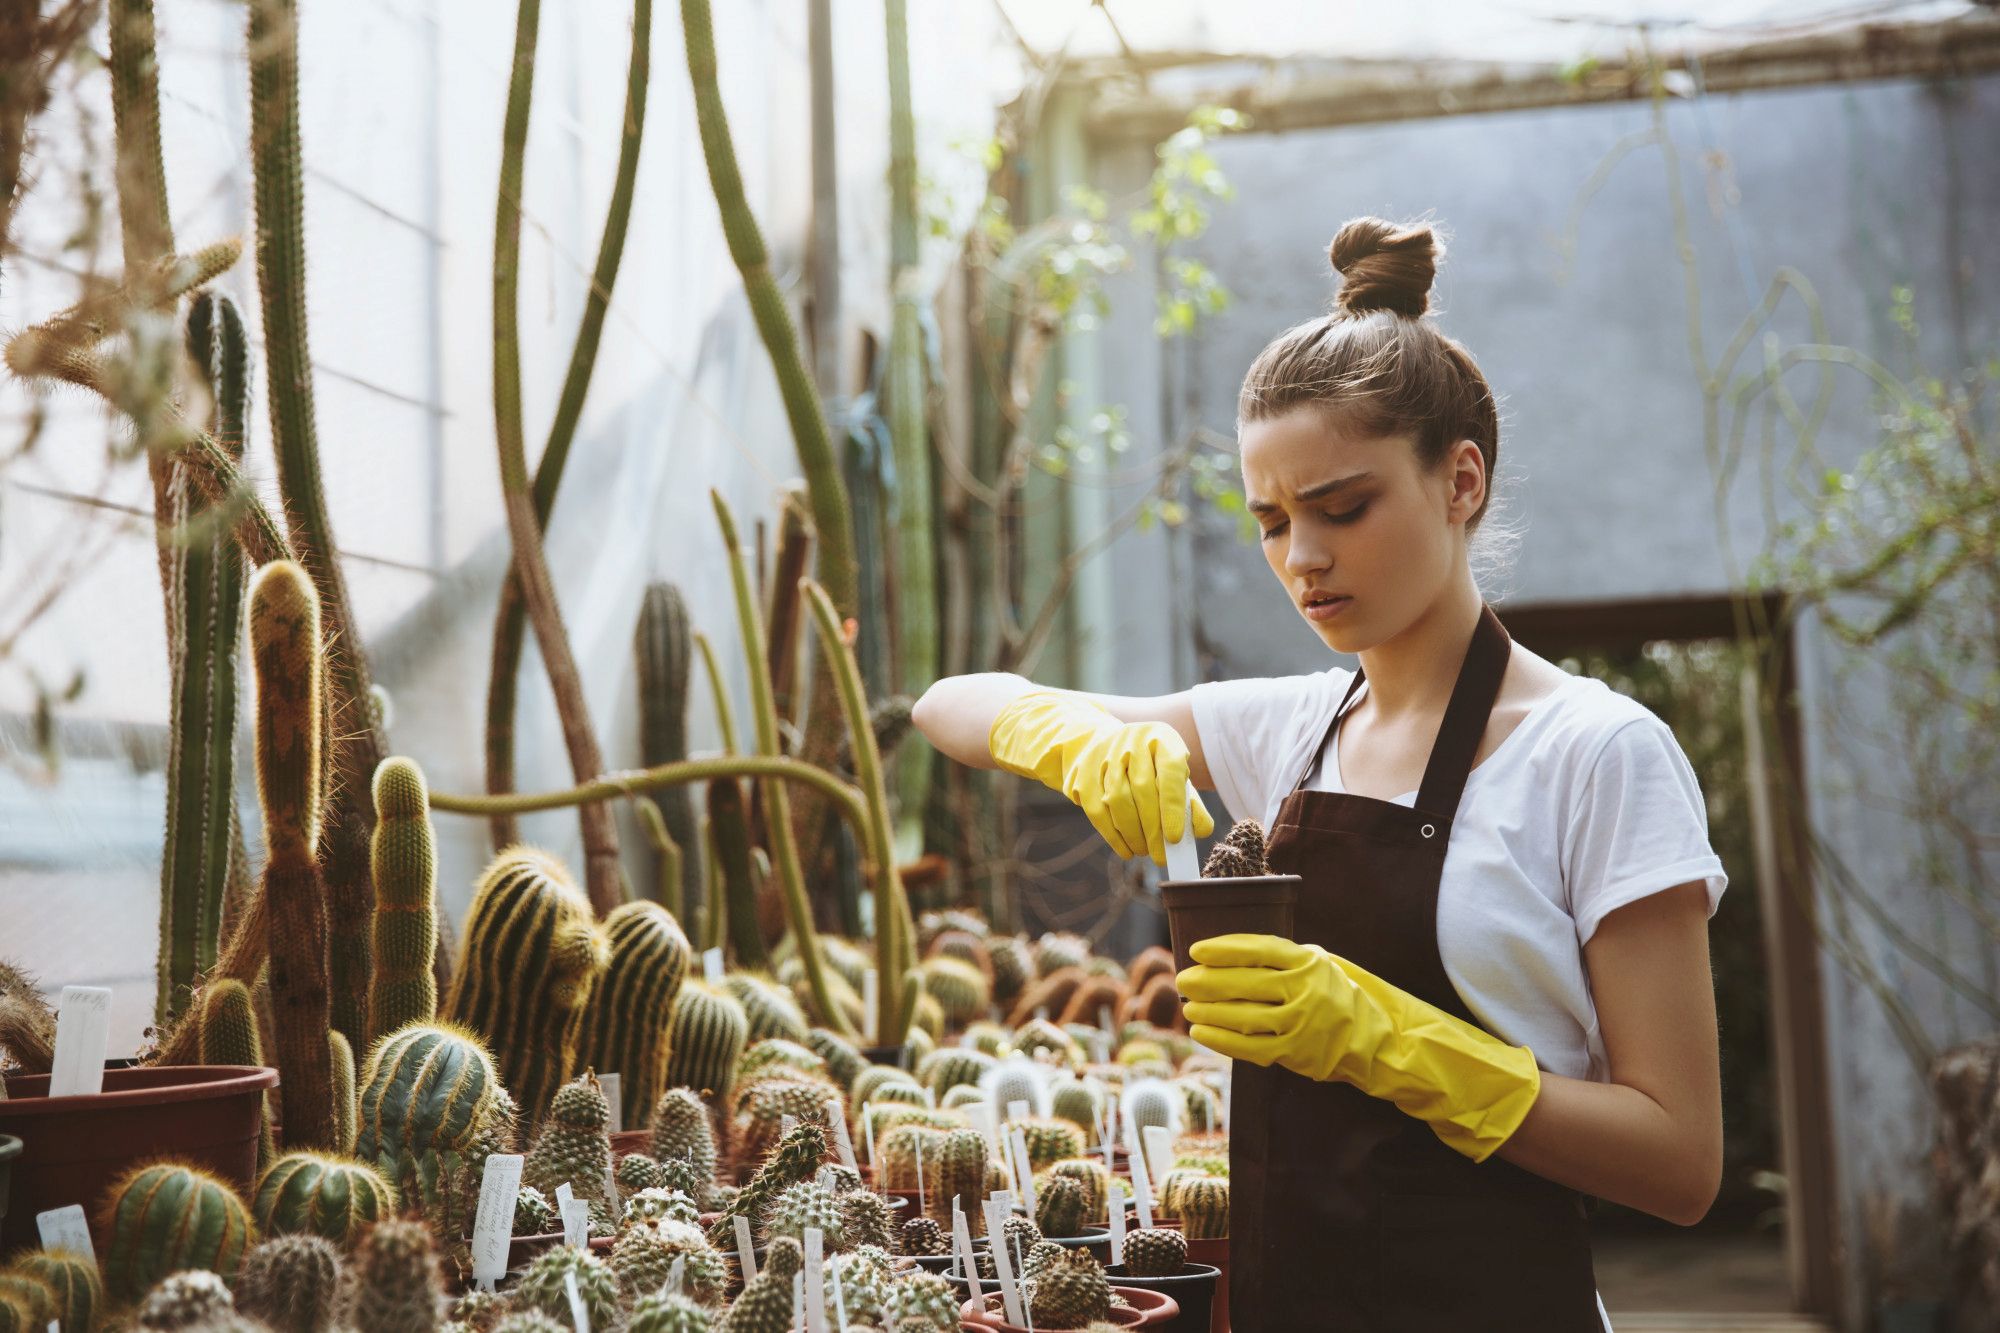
(1350, 516)
(1274, 530)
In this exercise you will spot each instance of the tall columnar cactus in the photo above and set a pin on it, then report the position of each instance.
(626, 1024)
(574, 1146)
(403, 857)
(335, 1197)
(229, 1036)
(340, 1059)
(530, 958)
(664, 649)
(955, 1168)
(206, 607)
(733, 910)
(163, 1218)
(683, 1132)
(705, 1040)
(76, 1291)
(285, 649)
(292, 1283)
(396, 1287)
(278, 183)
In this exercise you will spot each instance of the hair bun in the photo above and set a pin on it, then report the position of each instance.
(1385, 266)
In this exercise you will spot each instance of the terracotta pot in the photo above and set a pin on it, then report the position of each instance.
(1199, 909)
(989, 1311)
(630, 1140)
(1193, 1290)
(74, 1148)
(1215, 1252)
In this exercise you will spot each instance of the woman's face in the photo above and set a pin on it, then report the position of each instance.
(1362, 540)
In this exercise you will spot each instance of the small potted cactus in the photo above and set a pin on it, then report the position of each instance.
(1237, 893)
(1156, 1259)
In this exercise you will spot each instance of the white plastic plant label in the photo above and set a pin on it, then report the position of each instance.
(1024, 1172)
(579, 1314)
(1142, 1189)
(83, 1033)
(1104, 1135)
(836, 1114)
(1017, 1110)
(576, 1224)
(839, 1299)
(711, 966)
(961, 1244)
(677, 1275)
(1159, 1150)
(798, 1324)
(1182, 862)
(67, 1229)
(918, 1156)
(745, 1255)
(1114, 1204)
(786, 1124)
(493, 1224)
(1111, 1117)
(868, 1130)
(1003, 1262)
(614, 1100)
(815, 1276)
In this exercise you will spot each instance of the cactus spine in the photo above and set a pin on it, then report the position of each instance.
(403, 856)
(165, 1217)
(206, 606)
(530, 958)
(705, 1040)
(278, 181)
(292, 1283)
(285, 647)
(631, 1008)
(663, 649)
(395, 1282)
(334, 1197)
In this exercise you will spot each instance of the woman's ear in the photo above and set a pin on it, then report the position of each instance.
(1466, 469)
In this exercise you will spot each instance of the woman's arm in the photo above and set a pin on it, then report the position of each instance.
(1650, 1139)
(957, 713)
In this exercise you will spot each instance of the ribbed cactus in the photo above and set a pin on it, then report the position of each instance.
(900, 1150)
(643, 1259)
(530, 958)
(1079, 1101)
(843, 1062)
(206, 614)
(1061, 1207)
(1094, 1178)
(922, 1235)
(164, 1217)
(626, 1023)
(771, 1011)
(705, 1040)
(431, 1109)
(1203, 1205)
(543, 1287)
(403, 856)
(335, 1197)
(955, 1168)
(1070, 1293)
(26, 1303)
(951, 1066)
(396, 1286)
(340, 1064)
(76, 1292)
(285, 649)
(961, 990)
(683, 1132)
(229, 1036)
(574, 1145)
(1050, 1140)
(278, 183)
(292, 1283)
(777, 1054)
(1155, 1252)
(663, 646)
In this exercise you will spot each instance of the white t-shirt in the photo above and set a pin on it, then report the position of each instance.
(1588, 804)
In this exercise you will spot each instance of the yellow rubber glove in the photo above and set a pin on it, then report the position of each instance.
(1130, 778)
(1266, 999)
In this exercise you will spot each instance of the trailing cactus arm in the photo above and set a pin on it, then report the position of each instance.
(626, 783)
(509, 628)
(777, 807)
(602, 877)
(355, 745)
(724, 720)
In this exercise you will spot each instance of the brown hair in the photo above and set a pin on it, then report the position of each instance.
(1375, 362)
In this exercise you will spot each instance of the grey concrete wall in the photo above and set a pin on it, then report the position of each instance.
(1604, 471)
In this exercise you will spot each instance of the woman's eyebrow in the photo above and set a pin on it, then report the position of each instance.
(1311, 493)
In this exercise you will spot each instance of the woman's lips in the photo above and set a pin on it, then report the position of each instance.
(1327, 609)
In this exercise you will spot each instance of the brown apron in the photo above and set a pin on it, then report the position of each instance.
(1347, 1214)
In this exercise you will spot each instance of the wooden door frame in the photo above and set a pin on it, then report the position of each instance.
(1792, 953)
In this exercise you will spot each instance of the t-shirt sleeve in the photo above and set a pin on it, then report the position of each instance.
(1250, 730)
(1639, 825)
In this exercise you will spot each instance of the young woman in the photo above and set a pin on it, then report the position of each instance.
(1497, 1001)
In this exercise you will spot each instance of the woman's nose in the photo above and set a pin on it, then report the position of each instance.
(1303, 556)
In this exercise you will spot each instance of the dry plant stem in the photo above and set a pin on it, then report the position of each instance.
(603, 878)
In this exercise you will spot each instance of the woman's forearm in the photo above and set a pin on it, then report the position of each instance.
(956, 714)
(1619, 1144)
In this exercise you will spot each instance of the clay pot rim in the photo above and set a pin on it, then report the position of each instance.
(1234, 889)
(146, 1085)
(1190, 1272)
(979, 1311)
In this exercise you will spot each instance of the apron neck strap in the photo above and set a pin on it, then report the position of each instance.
(1464, 724)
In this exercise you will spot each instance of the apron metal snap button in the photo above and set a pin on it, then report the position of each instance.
(1429, 829)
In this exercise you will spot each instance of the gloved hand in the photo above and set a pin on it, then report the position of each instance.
(1130, 778)
(1266, 999)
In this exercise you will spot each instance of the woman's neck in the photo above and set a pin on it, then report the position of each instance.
(1412, 675)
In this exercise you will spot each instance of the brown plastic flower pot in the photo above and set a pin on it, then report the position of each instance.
(75, 1148)
(1200, 909)
(1193, 1290)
